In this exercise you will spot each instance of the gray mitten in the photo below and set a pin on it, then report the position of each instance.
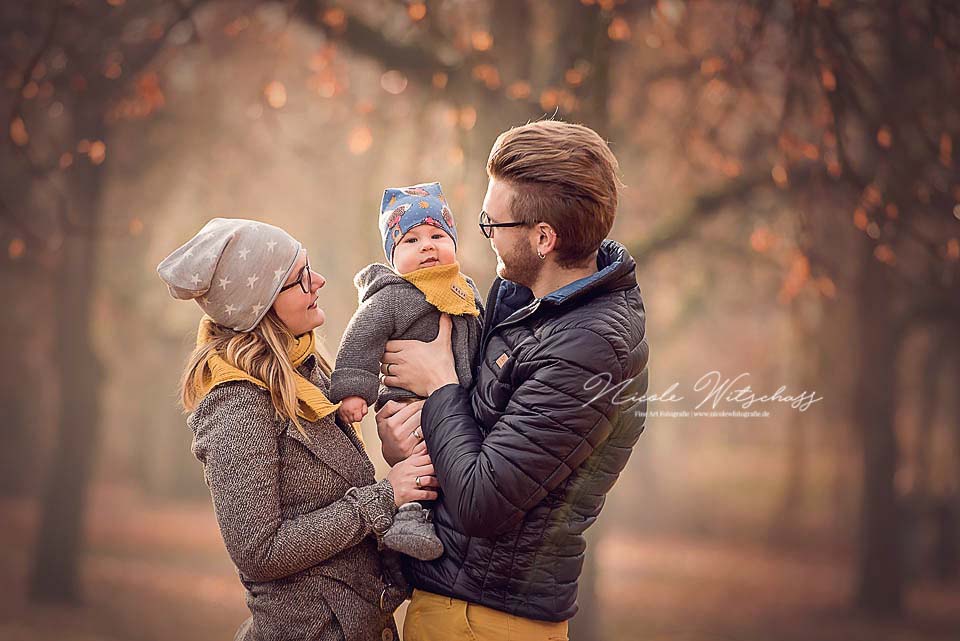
(412, 533)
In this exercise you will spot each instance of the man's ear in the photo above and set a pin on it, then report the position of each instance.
(546, 238)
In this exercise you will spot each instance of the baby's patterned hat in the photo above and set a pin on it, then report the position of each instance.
(403, 208)
(233, 268)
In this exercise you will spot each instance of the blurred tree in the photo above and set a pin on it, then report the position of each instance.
(70, 65)
(850, 109)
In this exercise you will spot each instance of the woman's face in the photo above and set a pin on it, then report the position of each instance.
(298, 310)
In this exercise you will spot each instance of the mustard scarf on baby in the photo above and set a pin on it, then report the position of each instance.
(445, 288)
(312, 403)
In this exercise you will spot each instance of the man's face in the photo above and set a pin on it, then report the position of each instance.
(515, 247)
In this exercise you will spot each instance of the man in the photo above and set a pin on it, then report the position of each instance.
(526, 456)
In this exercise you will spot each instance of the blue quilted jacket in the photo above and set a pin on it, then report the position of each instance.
(526, 456)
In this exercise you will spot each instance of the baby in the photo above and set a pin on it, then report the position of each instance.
(405, 300)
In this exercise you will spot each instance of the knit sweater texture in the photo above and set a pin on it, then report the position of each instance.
(391, 307)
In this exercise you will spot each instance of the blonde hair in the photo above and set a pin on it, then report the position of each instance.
(564, 175)
(262, 353)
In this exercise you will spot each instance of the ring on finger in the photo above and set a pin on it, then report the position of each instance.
(388, 368)
(418, 434)
(417, 481)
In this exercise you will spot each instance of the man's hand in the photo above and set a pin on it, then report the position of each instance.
(413, 479)
(398, 425)
(353, 409)
(421, 367)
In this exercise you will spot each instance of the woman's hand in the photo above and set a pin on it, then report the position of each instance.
(421, 367)
(398, 425)
(412, 478)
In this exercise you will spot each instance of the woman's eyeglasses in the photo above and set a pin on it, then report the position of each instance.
(486, 227)
(306, 284)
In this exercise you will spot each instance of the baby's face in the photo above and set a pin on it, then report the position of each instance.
(423, 246)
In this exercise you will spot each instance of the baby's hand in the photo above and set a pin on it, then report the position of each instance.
(353, 409)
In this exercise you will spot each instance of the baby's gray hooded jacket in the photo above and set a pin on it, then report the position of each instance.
(393, 308)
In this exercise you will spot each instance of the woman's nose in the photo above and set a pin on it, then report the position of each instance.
(318, 281)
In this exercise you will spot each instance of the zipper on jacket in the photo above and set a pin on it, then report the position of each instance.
(511, 320)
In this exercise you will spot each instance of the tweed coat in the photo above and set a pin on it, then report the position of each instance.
(298, 516)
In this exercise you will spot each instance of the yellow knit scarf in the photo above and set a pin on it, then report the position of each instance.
(312, 403)
(445, 288)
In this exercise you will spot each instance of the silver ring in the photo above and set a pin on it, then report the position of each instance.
(388, 368)
(417, 481)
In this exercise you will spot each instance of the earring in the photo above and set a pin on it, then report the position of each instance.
(540, 255)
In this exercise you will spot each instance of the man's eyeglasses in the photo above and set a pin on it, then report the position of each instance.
(486, 227)
(306, 284)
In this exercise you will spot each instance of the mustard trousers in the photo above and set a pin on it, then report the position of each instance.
(432, 617)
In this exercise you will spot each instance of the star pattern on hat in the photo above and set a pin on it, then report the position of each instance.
(227, 269)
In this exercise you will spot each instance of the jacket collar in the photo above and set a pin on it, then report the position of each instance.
(616, 271)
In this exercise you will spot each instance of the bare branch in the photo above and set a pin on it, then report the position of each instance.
(29, 69)
(416, 61)
(680, 227)
(411, 58)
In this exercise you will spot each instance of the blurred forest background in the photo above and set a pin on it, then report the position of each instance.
(792, 199)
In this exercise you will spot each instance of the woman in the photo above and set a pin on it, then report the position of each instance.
(292, 487)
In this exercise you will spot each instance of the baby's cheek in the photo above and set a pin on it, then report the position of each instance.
(450, 253)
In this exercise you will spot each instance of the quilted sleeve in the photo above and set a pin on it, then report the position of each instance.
(555, 419)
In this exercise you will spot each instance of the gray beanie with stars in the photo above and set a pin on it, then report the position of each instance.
(233, 268)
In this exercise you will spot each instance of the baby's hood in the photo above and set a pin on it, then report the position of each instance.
(375, 277)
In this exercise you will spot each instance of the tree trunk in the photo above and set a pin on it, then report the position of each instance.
(55, 568)
(19, 424)
(583, 35)
(879, 569)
